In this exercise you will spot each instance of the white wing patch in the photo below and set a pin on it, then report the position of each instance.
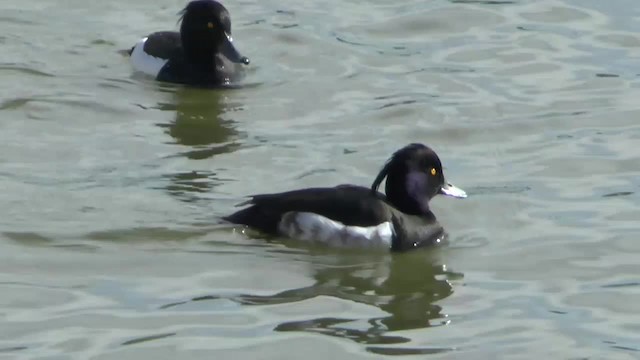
(144, 62)
(317, 228)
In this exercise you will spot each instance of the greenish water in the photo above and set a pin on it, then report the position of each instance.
(112, 184)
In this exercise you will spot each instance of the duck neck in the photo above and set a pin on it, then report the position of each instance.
(199, 53)
(405, 198)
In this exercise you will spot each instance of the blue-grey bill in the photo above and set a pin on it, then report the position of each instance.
(231, 53)
(449, 190)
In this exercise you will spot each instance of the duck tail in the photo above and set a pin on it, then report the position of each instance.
(126, 52)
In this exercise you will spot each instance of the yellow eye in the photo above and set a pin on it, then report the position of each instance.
(434, 171)
(210, 25)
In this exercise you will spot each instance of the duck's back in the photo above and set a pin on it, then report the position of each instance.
(163, 44)
(151, 54)
(349, 205)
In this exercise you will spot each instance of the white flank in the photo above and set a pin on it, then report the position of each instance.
(316, 228)
(144, 62)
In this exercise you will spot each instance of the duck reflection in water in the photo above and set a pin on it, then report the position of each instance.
(202, 122)
(405, 286)
(203, 125)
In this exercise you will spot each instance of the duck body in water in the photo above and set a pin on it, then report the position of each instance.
(356, 216)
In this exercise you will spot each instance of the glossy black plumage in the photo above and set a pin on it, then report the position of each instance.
(349, 204)
(163, 44)
(414, 175)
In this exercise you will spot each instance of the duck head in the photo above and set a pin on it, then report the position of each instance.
(206, 31)
(414, 176)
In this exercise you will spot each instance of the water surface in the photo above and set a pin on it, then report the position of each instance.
(112, 184)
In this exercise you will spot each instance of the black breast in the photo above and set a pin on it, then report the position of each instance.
(179, 71)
